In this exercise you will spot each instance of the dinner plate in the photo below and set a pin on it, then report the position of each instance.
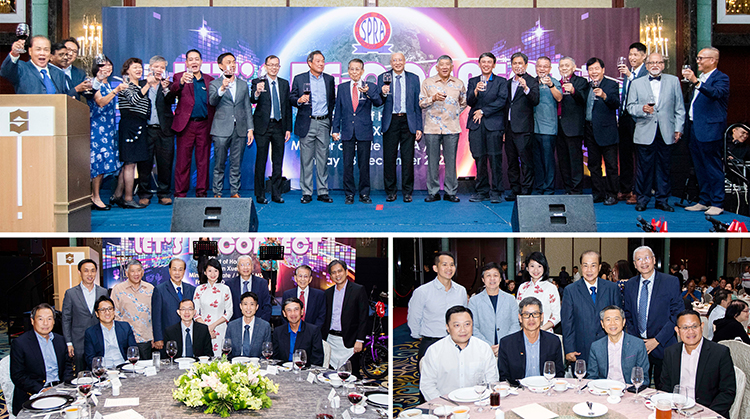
(598, 409)
(289, 365)
(377, 398)
(240, 360)
(324, 376)
(467, 394)
(185, 359)
(668, 396)
(607, 384)
(536, 384)
(597, 391)
(49, 402)
(129, 367)
(90, 380)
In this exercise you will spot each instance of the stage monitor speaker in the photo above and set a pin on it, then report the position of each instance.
(554, 214)
(219, 215)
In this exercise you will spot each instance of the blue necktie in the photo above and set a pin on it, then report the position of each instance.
(244, 286)
(246, 341)
(275, 101)
(397, 95)
(593, 294)
(48, 85)
(179, 293)
(642, 307)
(188, 343)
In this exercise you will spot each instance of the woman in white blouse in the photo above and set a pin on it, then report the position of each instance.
(538, 285)
(213, 304)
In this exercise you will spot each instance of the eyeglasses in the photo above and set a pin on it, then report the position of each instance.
(644, 259)
(185, 309)
(106, 309)
(690, 327)
(534, 315)
(273, 65)
(699, 58)
(654, 62)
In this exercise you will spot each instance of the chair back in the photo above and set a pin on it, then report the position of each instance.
(735, 412)
(326, 354)
(6, 385)
(740, 352)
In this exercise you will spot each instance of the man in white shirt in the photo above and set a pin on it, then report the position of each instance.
(192, 338)
(576, 274)
(457, 360)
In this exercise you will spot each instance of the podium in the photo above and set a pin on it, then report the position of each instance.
(45, 164)
(65, 260)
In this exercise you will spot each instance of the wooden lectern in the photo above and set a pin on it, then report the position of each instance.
(65, 260)
(44, 164)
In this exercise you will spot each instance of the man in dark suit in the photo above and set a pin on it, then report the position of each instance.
(193, 339)
(78, 310)
(313, 125)
(165, 302)
(249, 331)
(401, 126)
(583, 301)
(707, 119)
(345, 326)
(571, 113)
(651, 301)
(192, 123)
(487, 95)
(313, 299)
(306, 336)
(352, 124)
(600, 132)
(232, 127)
(516, 348)
(523, 95)
(113, 348)
(247, 282)
(712, 382)
(273, 127)
(34, 77)
(74, 76)
(160, 137)
(38, 358)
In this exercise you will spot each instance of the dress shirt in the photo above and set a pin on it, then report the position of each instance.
(746, 279)
(547, 293)
(49, 355)
(532, 356)
(650, 287)
(716, 314)
(689, 369)
(596, 286)
(590, 105)
(232, 87)
(89, 296)
(181, 286)
(318, 98)
(14, 60)
(112, 355)
(338, 307)
(292, 341)
(249, 283)
(696, 92)
(427, 307)
(252, 326)
(614, 360)
(514, 83)
(200, 108)
(278, 99)
(634, 72)
(442, 117)
(545, 113)
(655, 89)
(576, 276)
(184, 332)
(307, 294)
(133, 305)
(154, 117)
(401, 80)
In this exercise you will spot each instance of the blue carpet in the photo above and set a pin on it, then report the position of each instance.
(417, 216)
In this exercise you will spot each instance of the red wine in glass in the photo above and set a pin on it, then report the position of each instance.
(300, 364)
(354, 398)
(343, 375)
(85, 389)
(306, 89)
(99, 372)
(226, 351)
(133, 360)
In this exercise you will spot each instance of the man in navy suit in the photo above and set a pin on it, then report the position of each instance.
(166, 300)
(352, 124)
(487, 95)
(119, 336)
(34, 77)
(247, 282)
(652, 301)
(523, 95)
(581, 302)
(200, 338)
(631, 350)
(518, 349)
(75, 77)
(249, 331)
(38, 358)
(600, 132)
(296, 333)
(313, 125)
(401, 126)
(707, 119)
(313, 299)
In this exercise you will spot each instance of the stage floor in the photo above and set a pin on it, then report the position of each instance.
(398, 217)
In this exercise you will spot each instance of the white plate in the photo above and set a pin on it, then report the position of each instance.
(668, 396)
(537, 384)
(467, 394)
(606, 384)
(379, 398)
(186, 359)
(240, 360)
(91, 380)
(581, 409)
(129, 368)
(323, 376)
(597, 391)
(47, 403)
(288, 365)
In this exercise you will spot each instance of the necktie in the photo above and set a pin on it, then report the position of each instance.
(657, 78)
(593, 294)
(275, 101)
(48, 85)
(179, 293)
(188, 343)
(355, 96)
(244, 286)
(397, 95)
(302, 297)
(246, 341)
(642, 307)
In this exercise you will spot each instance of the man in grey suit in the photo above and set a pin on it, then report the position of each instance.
(630, 349)
(78, 311)
(248, 332)
(233, 121)
(657, 126)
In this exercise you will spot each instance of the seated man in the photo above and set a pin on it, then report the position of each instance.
(297, 334)
(193, 338)
(614, 356)
(715, 387)
(457, 360)
(38, 358)
(109, 339)
(248, 332)
(523, 354)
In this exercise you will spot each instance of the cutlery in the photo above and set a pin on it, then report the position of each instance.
(591, 408)
(449, 400)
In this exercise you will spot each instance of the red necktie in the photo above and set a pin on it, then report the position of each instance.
(355, 96)
(302, 297)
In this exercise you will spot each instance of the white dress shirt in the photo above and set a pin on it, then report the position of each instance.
(427, 307)
(655, 89)
(703, 77)
(716, 314)
(689, 369)
(184, 332)
(307, 295)
(614, 360)
(650, 288)
(112, 354)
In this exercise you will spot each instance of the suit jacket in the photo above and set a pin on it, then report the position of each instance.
(27, 80)
(164, 305)
(308, 338)
(492, 102)
(521, 106)
(261, 333)
(186, 100)
(626, 86)
(315, 310)
(633, 354)
(304, 112)
(413, 111)
(231, 114)
(669, 114)
(512, 355)
(351, 123)
(666, 303)
(77, 76)
(27, 369)
(262, 114)
(202, 345)
(76, 317)
(573, 108)
(355, 311)
(715, 382)
(604, 114)
(95, 340)
(710, 107)
(491, 323)
(260, 288)
(164, 104)
(580, 316)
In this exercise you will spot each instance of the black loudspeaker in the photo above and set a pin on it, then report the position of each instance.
(554, 213)
(225, 215)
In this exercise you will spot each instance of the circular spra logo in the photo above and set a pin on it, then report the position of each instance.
(372, 31)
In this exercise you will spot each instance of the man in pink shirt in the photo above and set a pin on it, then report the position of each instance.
(614, 356)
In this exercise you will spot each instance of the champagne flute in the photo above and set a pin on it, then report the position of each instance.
(679, 398)
(580, 372)
(549, 374)
(387, 79)
(226, 347)
(171, 352)
(267, 351)
(85, 383)
(22, 33)
(684, 78)
(97, 367)
(300, 359)
(636, 377)
(133, 356)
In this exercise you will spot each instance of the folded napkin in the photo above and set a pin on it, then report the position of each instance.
(124, 401)
(534, 411)
(126, 414)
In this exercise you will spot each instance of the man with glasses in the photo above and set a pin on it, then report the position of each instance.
(193, 339)
(166, 300)
(657, 126)
(652, 301)
(705, 125)
(613, 356)
(75, 75)
(110, 339)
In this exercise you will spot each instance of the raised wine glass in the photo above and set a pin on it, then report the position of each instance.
(595, 85)
(549, 374)
(267, 351)
(97, 367)
(226, 347)
(684, 78)
(651, 101)
(580, 372)
(622, 62)
(133, 356)
(171, 350)
(387, 79)
(636, 377)
(300, 359)
(22, 33)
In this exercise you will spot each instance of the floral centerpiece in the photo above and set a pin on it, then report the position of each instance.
(223, 387)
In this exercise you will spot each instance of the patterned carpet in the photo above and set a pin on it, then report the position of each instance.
(405, 375)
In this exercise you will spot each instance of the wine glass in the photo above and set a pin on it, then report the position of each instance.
(636, 377)
(133, 356)
(483, 86)
(300, 359)
(226, 348)
(563, 80)
(595, 85)
(622, 62)
(263, 79)
(324, 410)
(549, 374)
(267, 351)
(85, 382)
(387, 79)
(679, 398)
(22, 33)
(344, 370)
(171, 352)
(480, 385)
(355, 396)
(684, 78)
(651, 101)
(580, 372)
(306, 91)
(97, 367)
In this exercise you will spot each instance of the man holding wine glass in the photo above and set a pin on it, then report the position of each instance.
(523, 96)
(248, 333)
(34, 77)
(571, 113)
(297, 334)
(191, 338)
(109, 339)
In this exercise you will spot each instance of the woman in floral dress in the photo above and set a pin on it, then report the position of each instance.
(538, 285)
(213, 304)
